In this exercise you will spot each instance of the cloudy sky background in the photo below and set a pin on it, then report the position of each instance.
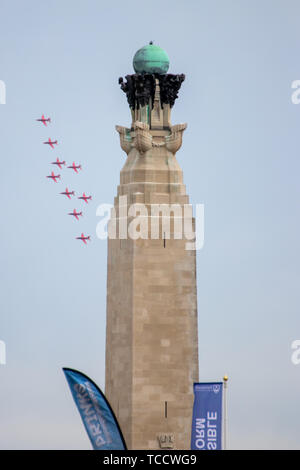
(240, 158)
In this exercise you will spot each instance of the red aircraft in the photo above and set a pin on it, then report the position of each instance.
(44, 120)
(53, 177)
(75, 214)
(68, 193)
(83, 238)
(75, 167)
(58, 163)
(51, 142)
(85, 198)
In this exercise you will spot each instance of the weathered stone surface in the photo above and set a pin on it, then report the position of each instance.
(151, 340)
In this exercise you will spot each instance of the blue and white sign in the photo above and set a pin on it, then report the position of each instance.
(207, 416)
(97, 416)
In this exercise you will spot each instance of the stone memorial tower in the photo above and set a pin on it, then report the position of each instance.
(151, 330)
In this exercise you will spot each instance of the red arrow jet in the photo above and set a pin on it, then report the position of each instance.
(83, 238)
(68, 193)
(53, 177)
(75, 167)
(58, 163)
(51, 142)
(44, 120)
(85, 198)
(75, 214)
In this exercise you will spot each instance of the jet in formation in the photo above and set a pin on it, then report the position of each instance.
(75, 214)
(83, 238)
(85, 198)
(59, 163)
(54, 177)
(75, 167)
(44, 120)
(51, 142)
(68, 193)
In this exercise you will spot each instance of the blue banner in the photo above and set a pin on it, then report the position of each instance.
(97, 416)
(207, 416)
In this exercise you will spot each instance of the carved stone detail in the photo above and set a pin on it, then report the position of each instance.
(174, 140)
(143, 138)
(169, 87)
(143, 141)
(157, 112)
(166, 441)
(140, 88)
(125, 138)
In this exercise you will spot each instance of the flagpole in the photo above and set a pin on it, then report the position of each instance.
(225, 380)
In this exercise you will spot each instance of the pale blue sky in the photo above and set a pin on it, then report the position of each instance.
(240, 158)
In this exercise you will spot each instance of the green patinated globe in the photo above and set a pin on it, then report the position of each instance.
(151, 59)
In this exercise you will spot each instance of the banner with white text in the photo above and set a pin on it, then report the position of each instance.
(207, 416)
(96, 413)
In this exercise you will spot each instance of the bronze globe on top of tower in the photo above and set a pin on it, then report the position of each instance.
(151, 63)
(151, 59)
